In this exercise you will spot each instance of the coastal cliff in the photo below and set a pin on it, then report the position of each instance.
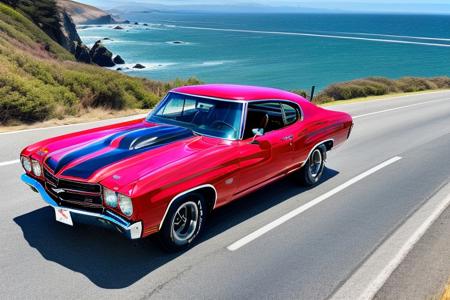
(72, 14)
(69, 37)
(40, 80)
(83, 14)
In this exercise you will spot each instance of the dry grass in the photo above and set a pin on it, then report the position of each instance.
(89, 115)
(446, 293)
(383, 97)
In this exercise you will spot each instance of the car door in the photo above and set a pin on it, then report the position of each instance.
(268, 156)
(293, 120)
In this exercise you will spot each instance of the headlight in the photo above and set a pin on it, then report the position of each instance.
(125, 204)
(36, 166)
(26, 164)
(110, 197)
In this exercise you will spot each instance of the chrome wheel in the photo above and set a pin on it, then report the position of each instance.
(184, 222)
(315, 163)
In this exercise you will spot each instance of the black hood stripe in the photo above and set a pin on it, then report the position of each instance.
(57, 166)
(133, 143)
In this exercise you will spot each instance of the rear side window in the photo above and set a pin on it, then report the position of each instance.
(291, 113)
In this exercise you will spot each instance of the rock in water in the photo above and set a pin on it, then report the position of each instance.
(94, 48)
(101, 56)
(139, 66)
(82, 54)
(118, 60)
(118, 27)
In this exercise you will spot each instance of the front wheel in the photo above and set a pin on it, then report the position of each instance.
(311, 172)
(183, 223)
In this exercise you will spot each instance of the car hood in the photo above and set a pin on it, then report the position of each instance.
(126, 154)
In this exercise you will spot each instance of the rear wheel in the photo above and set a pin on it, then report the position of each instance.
(311, 172)
(183, 223)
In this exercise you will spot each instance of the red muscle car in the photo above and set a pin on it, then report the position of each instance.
(200, 148)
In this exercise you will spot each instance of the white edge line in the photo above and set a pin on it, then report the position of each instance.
(7, 163)
(396, 108)
(381, 278)
(128, 118)
(263, 230)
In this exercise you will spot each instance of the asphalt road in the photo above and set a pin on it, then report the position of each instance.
(308, 257)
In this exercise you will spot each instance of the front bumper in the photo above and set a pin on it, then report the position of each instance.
(110, 220)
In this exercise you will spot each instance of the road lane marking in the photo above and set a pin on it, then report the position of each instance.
(263, 230)
(375, 271)
(397, 108)
(7, 163)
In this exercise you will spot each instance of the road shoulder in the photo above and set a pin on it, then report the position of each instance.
(424, 272)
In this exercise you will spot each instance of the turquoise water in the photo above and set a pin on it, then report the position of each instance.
(287, 51)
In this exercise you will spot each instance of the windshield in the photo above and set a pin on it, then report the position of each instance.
(217, 118)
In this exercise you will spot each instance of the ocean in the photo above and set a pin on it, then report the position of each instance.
(288, 51)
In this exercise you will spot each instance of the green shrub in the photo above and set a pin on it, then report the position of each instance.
(441, 82)
(377, 86)
(36, 84)
(414, 84)
(302, 93)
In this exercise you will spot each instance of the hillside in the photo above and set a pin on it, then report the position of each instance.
(40, 80)
(86, 14)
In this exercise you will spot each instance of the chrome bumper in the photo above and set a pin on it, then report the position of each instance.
(111, 220)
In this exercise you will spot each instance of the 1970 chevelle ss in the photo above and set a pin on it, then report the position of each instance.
(200, 148)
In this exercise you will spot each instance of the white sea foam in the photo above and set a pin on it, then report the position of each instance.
(179, 43)
(133, 43)
(329, 36)
(425, 38)
(149, 66)
(93, 37)
(211, 63)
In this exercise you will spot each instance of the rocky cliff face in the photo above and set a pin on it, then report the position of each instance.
(72, 13)
(69, 37)
(86, 14)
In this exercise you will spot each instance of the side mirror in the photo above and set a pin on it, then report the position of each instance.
(257, 132)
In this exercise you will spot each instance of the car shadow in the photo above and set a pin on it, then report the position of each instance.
(111, 261)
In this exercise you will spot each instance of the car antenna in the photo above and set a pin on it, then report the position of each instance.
(311, 97)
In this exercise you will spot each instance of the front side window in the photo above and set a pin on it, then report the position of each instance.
(269, 115)
(263, 115)
(211, 117)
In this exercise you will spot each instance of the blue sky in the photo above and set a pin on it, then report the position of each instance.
(404, 6)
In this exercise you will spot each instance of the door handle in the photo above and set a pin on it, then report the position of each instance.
(288, 138)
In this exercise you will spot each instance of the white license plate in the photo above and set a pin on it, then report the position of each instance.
(63, 216)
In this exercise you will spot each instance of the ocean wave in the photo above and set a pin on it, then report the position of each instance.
(179, 43)
(212, 63)
(305, 34)
(152, 66)
(133, 43)
(425, 38)
(156, 66)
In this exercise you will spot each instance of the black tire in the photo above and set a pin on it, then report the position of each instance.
(310, 174)
(173, 240)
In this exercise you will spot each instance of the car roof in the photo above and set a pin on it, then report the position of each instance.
(238, 92)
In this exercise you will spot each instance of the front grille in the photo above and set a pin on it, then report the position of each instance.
(50, 178)
(73, 194)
